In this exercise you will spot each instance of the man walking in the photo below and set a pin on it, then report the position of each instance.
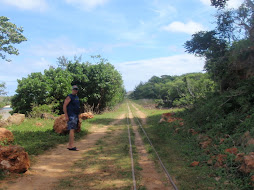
(71, 110)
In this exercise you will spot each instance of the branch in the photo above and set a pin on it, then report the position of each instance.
(250, 4)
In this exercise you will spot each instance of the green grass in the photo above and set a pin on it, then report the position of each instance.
(36, 139)
(177, 151)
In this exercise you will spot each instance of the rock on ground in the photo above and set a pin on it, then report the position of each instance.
(60, 125)
(16, 119)
(47, 116)
(247, 163)
(195, 163)
(3, 123)
(6, 136)
(232, 150)
(14, 159)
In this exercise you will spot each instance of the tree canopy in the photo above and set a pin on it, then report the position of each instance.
(9, 34)
(2, 88)
(100, 86)
(172, 91)
(228, 49)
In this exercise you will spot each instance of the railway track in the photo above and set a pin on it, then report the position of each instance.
(150, 142)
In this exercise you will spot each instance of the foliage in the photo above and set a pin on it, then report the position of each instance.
(2, 87)
(227, 113)
(38, 110)
(175, 90)
(10, 34)
(5, 100)
(229, 46)
(178, 148)
(219, 3)
(100, 86)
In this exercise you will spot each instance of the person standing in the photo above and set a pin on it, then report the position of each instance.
(71, 110)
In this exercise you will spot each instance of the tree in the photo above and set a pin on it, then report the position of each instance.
(235, 22)
(219, 3)
(2, 88)
(228, 49)
(9, 34)
(100, 85)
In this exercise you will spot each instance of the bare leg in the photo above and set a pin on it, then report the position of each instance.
(71, 138)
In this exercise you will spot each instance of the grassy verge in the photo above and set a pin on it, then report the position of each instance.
(37, 135)
(107, 165)
(177, 151)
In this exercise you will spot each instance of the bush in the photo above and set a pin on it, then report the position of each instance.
(37, 111)
(100, 86)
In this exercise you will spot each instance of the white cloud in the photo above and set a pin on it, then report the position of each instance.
(165, 11)
(135, 71)
(206, 2)
(234, 3)
(56, 48)
(230, 4)
(86, 4)
(33, 5)
(189, 28)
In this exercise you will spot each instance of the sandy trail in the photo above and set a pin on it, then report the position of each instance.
(140, 114)
(151, 179)
(55, 164)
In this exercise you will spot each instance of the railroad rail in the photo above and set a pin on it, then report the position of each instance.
(151, 144)
(131, 154)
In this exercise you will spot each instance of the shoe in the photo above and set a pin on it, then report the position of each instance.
(73, 149)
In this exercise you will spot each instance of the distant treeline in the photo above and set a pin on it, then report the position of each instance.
(172, 91)
(100, 86)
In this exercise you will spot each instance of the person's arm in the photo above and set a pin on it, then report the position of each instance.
(66, 102)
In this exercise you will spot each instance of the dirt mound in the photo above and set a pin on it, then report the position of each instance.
(16, 119)
(6, 136)
(60, 124)
(14, 159)
(170, 117)
(3, 123)
(87, 115)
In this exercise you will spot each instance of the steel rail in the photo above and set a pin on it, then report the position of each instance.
(131, 154)
(161, 163)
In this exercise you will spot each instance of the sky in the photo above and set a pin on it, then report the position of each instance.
(141, 38)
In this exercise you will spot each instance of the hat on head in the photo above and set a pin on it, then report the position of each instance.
(74, 86)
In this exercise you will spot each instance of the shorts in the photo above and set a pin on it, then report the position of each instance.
(73, 122)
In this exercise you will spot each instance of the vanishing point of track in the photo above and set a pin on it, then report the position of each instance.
(131, 154)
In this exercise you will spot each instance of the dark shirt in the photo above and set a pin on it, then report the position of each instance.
(73, 107)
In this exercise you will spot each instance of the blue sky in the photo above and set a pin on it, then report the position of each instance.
(141, 38)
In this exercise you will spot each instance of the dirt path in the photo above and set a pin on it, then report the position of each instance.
(151, 179)
(55, 164)
(140, 114)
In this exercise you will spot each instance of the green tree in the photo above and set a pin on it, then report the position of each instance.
(9, 34)
(228, 49)
(175, 90)
(219, 3)
(32, 90)
(2, 88)
(100, 85)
